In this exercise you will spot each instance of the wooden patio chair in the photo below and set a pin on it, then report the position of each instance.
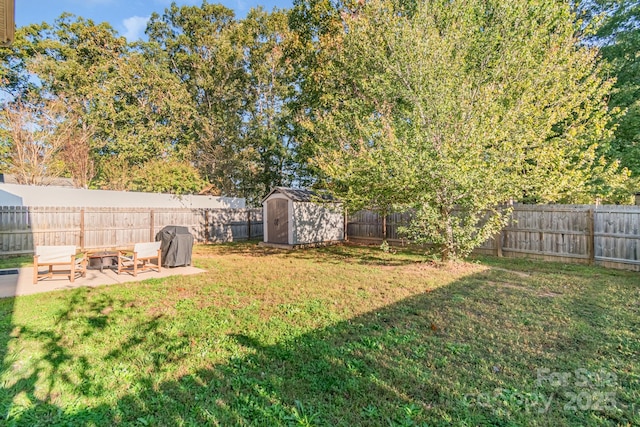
(140, 259)
(58, 256)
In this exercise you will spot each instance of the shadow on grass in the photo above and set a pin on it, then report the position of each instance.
(434, 359)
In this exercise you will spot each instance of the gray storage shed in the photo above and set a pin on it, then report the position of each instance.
(299, 217)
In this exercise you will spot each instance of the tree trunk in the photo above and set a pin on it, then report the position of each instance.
(448, 245)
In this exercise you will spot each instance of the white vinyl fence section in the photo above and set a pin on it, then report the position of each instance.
(50, 196)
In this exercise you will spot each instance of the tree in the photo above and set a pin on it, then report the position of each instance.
(166, 176)
(204, 52)
(617, 25)
(134, 106)
(35, 135)
(146, 114)
(317, 34)
(238, 80)
(267, 111)
(76, 152)
(125, 105)
(73, 59)
(451, 108)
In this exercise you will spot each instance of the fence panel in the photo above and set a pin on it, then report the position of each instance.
(15, 229)
(617, 235)
(256, 224)
(368, 225)
(23, 227)
(193, 219)
(238, 224)
(558, 231)
(364, 225)
(105, 227)
(50, 226)
(604, 235)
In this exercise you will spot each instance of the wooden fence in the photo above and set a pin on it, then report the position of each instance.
(21, 227)
(589, 234)
(603, 235)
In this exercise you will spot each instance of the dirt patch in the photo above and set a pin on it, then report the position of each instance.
(549, 294)
(517, 273)
(509, 285)
(456, 268)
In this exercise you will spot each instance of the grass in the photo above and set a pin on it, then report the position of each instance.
(339, 336)
(16, 261)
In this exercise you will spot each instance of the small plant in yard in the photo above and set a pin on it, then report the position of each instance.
(335, 336)
(301, 416)
(387, 248)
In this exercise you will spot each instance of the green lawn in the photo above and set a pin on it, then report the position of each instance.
(340, 336)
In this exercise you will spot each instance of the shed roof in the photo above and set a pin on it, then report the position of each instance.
(300, 194)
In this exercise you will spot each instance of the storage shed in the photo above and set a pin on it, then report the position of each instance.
(300, 217)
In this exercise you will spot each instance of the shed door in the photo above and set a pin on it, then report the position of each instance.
(278, 220)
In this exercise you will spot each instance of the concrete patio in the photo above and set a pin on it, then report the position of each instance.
(19, 281)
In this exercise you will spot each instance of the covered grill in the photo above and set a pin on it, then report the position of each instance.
(176, 247)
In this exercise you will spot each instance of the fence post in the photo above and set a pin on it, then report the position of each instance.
(248, 224)
(591, 244)
(207, 231)
(82, 229)
(540, 233)
(497, 241)
(345, 235)
(151, 226)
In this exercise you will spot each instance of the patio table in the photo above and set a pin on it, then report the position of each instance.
(101, 259)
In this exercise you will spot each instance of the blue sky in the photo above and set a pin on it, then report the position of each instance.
(128, 17)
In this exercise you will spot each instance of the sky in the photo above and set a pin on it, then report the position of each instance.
(128, 17)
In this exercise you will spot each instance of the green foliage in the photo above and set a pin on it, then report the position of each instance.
(147, 113)
(267, 113)
(617, 25)
(455, 234)
(456, 107)
(122, 101)
(237, 80)
(613, 27)
(166, 176)
(382, 102)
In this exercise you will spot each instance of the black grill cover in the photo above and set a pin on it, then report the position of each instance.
(176, 247)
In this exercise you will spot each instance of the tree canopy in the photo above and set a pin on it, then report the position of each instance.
(449, 108)
(616, 30)
(453, 108)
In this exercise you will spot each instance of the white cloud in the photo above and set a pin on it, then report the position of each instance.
(135, 27)
(241, 5)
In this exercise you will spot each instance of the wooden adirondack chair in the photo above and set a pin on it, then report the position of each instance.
(58, 256)
(140, 259)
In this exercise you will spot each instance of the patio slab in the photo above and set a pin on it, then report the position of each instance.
(21, 283)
